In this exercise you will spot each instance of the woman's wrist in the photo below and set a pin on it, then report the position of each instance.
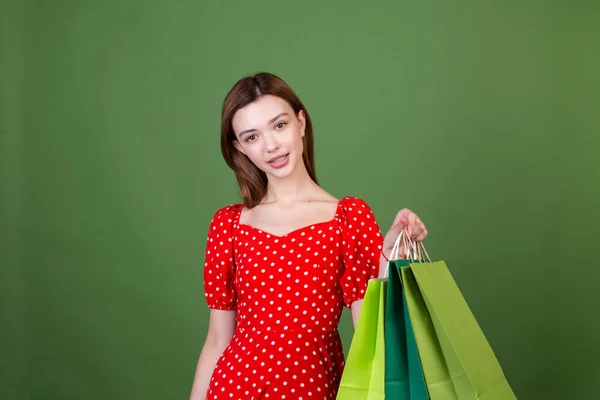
(400, 254)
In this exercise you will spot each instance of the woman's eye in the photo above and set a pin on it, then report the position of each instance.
(250, 138)
(280, 125)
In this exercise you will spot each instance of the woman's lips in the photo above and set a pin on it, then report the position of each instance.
(280, 162)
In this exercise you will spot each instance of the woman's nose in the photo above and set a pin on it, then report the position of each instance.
(270, 143)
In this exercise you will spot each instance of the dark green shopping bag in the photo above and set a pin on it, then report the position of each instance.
(470, 362)
(403, 373)
(363, 376)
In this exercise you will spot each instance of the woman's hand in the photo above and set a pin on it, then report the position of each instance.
(405, 219)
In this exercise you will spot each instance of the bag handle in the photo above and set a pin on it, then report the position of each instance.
(414, 250)
(422, 250)
(409, 245)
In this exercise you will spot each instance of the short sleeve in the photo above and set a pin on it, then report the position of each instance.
(361, 248)
(219, 265)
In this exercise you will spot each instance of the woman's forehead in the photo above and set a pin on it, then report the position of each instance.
(260, 112)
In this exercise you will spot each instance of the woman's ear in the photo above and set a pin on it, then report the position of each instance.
(302, 119)
(237, 145)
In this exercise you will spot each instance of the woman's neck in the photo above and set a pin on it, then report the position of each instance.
(298, 186)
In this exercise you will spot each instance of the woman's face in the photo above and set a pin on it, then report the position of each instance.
(270, 135)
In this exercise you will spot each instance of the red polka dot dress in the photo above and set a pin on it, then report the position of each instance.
(289, 292)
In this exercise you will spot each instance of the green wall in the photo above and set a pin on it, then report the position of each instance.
(480, 116)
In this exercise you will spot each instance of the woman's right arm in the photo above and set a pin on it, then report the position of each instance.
(220, 331)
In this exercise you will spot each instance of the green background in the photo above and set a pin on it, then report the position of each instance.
(480, 116)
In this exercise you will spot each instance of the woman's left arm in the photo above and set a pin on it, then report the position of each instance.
(405, 219)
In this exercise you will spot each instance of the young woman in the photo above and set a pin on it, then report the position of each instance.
(280, 267)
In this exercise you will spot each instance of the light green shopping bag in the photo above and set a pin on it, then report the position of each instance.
(471, 363)
(363, 377)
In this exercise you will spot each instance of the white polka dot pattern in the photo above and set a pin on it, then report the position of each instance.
(289, 292)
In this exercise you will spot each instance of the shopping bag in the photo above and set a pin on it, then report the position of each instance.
(404, 377)
(363, 375)
(436, 372)
(471, 363)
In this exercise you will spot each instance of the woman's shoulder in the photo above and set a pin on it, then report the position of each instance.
(357, 222)
(351, 203)
(226, 214)
(355, 208)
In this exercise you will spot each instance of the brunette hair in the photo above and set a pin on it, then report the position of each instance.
(251, 180)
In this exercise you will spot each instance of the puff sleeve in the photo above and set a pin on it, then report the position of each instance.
(219, 265)
(362, 242)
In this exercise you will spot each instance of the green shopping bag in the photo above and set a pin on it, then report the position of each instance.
(403, 373)
(471, 363)
(363, 376)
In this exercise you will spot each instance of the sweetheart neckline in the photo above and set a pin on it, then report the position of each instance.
(302, 228)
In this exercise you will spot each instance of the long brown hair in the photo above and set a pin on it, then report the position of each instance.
(252, 180)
